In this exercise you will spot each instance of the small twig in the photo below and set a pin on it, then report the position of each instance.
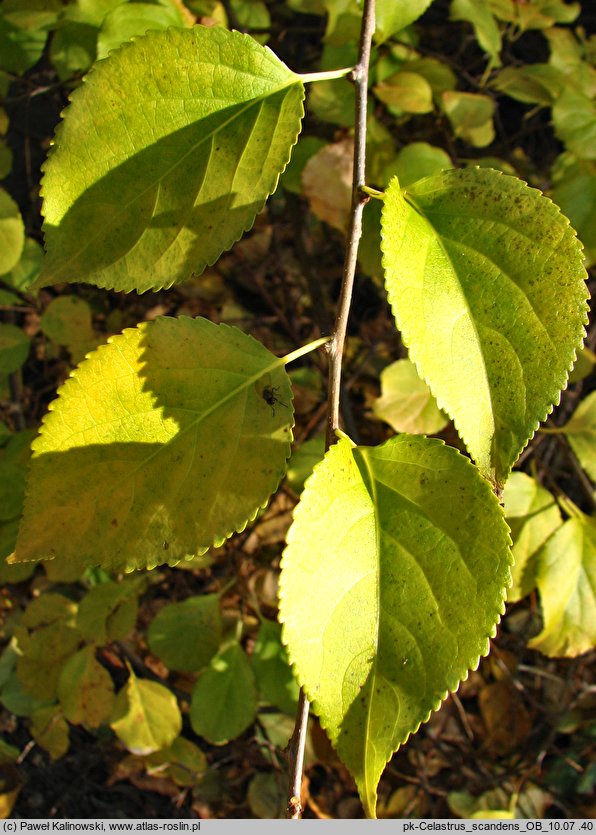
(359, 75)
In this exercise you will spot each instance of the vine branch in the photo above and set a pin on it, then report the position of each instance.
(359, 76)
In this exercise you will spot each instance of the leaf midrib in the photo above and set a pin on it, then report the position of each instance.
(438, 238)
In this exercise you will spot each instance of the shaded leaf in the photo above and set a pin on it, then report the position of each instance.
(12, 233)
(531, 84)
(267, 796)
(108, 612)
(182, 761)
(485, 26)
(186, 635)
(85, 689)
(160, 444)
(23, 33)
(566, 581)
(532, 515)
(143, 197)
(28, 268)
(224, 699)
(130, 20)
(44, 653)
(67, 321)
(14, 348)
(575, 193)
(406, 402)
(505, 273)
(406, 91)
(507, 721)
(574, 117)
(581, 433)
(50, 608)
(274, 677)
(303, 460)
(374, 533)
(392, 17)
(50, 730)
(146, 717)
(418, 160)
(471, 116)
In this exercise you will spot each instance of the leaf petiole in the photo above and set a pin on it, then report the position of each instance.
(328, 75)
(305, 349)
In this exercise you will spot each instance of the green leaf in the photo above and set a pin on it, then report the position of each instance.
(418, 160)
(23, 32)
(581, 434)
(154, 173)
(471, 116)
(406, 403)
(85, 689)
(14, 348)
(44, 653)
(50, 730)
(574, 117)
(182, 761)
(485, 26)
(538, 14)
(575, 193)
(12, 233)
(333, 101)
(28, 268)
(187, 635)
(392, 16)
(108, 612)
(276, 683)
(532, 515)
(266, 795)
(504, 272)
(12, 489)
(224, 699)
(567, 587)
(161, 444)
(130, 20)
(253, 14)
(406, 91)
(49, 608)
(5, 159)
(531, 84)
(303, 460)
(392, 583)
(73, 48)
(67, 321)
(146, 717)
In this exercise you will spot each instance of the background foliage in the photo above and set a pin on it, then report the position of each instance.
(169, 692)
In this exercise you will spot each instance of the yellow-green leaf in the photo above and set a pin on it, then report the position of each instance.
(85, 689)
(486, 282)
(406, 402)
(161, 444)
(567, 585)
(392, 583)
(146, 716)
(164, 157)
(581, 433)
(533, 515)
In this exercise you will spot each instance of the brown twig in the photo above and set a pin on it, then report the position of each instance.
(359, 76)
